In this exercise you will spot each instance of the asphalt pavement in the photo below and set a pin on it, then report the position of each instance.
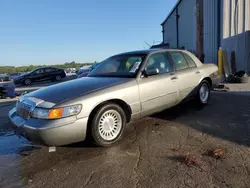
(169, 149)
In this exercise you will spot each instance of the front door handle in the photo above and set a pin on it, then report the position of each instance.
(197, 72)
(174, 78)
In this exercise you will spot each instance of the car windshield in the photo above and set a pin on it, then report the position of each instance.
(119, 66)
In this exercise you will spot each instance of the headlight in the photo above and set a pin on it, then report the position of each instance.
(56, 113)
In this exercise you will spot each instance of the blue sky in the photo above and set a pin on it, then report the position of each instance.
(59, 31)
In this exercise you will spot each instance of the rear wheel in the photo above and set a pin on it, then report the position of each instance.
(108, 125)
(203, 94)
(27, 81)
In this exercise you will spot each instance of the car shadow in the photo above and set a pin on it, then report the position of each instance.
(83, 144)
(227, 116)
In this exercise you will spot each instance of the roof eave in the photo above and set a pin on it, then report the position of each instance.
(174, 8)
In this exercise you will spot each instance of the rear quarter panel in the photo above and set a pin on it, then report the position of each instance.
(206, 70)
(211, 71)
(62, 73)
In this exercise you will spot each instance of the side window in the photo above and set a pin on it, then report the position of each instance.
(39, 71)
(189, 60)
(179, 60)
(49, 70)
(161, 62)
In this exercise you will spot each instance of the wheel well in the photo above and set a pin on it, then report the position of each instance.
(209, 80)
(119, 102)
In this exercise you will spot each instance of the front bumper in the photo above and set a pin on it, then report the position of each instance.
(50, 132)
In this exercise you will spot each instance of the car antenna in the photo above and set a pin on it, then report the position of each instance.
(147, 44)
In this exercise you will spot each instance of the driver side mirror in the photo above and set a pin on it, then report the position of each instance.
(150, 72)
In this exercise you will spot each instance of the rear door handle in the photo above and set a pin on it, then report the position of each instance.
(174, 78)
(197, 72)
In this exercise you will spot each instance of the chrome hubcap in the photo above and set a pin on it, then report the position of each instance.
(204, 93)
(110, 125)
(27, 82)
(58, 78)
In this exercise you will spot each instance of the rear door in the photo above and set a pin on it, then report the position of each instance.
(50, 73)
(187, 73)
(160, 91)
(193, 67)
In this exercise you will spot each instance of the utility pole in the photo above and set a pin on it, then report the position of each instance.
(199, 31)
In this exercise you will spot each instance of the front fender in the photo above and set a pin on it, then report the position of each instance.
(128, 93)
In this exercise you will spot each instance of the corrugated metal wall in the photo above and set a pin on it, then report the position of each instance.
(236, 31)
(170, 31)
(247, 29)
(187, 24)
(210, 30)
(247, 16)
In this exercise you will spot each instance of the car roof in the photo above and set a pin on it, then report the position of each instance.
(148, 51)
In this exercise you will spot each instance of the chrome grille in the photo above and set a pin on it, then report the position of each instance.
(23, 109)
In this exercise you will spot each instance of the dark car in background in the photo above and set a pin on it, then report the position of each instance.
(4, 78)
(14, 76)
(41, 74)
(82, 71)
(85, 72)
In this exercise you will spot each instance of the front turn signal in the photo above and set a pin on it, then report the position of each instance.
(55, 113)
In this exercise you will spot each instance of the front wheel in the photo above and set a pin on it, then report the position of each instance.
(203, 94)
(108, 125)
(27, 81)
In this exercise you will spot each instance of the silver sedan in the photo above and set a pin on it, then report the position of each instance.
(123, 88)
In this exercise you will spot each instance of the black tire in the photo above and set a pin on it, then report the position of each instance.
(27, 81)
(96, 136)
(200, 100)
(58, 78)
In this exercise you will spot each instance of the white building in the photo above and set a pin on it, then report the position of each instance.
(226, 24)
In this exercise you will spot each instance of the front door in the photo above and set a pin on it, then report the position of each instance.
(37, 75)
(160, 91)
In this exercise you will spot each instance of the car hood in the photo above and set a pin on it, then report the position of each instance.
(20, 77)
(75, 88)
